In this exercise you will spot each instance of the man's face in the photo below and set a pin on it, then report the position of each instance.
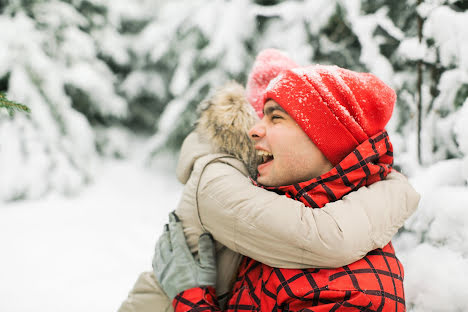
(288, 153)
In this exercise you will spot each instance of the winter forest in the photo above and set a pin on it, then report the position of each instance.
(87, 176)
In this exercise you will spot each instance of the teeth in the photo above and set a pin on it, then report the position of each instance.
(263, 153)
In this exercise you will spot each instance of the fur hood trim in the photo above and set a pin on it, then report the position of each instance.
(225, 120)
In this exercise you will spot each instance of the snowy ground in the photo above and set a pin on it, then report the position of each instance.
(84, 253)
(434, 247)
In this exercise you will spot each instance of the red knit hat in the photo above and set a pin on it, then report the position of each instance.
(337, 108)
(268, 64)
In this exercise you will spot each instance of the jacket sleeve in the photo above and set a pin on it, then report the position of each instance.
(146, 296)
(199, 299)
(284, 233)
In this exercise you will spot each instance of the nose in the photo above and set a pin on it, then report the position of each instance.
(257, 131)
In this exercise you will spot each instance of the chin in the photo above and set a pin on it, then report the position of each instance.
(263, 181)
(267, 182)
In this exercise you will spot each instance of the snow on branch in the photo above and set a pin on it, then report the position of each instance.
(10, 105)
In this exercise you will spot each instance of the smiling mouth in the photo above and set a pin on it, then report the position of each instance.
(266, 156)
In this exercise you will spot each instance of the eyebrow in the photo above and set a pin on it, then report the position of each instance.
(270, 109)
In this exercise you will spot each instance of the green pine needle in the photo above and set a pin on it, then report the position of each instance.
(10, 105)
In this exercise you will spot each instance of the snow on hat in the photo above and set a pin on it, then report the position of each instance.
(337, 108)
(268, 64)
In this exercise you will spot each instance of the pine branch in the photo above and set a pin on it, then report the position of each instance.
(10, 105)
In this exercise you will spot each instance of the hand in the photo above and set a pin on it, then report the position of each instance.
(174, 266)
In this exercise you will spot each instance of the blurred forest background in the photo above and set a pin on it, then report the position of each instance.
(92, 71)
(99, 74)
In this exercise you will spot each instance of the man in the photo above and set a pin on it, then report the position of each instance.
(322, 136)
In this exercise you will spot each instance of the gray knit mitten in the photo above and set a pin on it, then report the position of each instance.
(174, 265)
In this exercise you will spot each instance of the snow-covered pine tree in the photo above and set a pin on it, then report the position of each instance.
(438, 228)
(145, 65)
(187, 50)
(198, 46)
(382, 37)
(61, 65)
(427, 55)
(37, 150)
(446, 67)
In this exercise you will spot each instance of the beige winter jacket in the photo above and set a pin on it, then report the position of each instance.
(219, 198)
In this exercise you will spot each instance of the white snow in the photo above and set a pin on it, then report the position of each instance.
(140, 82)
(461, 132)
(226, 33)
(434, 245)
(435, 279)
(364, 27)
(412, 49)
(287, 33)
(447, 28)
(98, 80)
(57, 13)
(84, 253)
(52, 148)
(168, 119)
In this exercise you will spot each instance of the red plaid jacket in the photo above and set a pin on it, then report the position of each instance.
(374, 283)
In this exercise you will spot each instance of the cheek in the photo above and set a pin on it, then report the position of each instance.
(290, 161)
(302, 154)
(288, 146)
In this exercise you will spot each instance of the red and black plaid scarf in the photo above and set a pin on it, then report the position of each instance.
(374, 283)
(368, 163)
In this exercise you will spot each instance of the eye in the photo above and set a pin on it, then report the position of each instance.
(274, 116)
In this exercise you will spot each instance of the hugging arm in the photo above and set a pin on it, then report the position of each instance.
(283, 232)
(188, 282)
